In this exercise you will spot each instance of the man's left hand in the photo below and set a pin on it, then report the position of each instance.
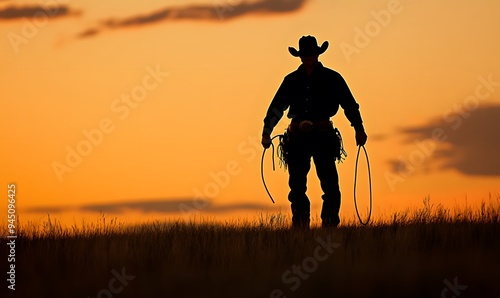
(361, 138)
(266, 141)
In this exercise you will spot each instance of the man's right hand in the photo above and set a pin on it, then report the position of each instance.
(361, 138)
(266, 141)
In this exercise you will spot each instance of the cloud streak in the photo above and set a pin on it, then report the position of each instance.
(471, 148)
(35, 11)
(152, 206)
(216, 12)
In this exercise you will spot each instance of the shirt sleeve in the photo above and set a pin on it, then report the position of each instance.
(349, 104)
(277, 107)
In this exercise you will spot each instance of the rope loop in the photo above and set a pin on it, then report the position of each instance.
(370, 183)
(262, 165)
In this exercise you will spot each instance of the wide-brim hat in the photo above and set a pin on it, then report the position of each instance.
(308, 46)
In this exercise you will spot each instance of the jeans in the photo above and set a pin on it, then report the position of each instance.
(323, 146)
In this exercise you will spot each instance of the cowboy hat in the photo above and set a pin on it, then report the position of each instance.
(308, 46)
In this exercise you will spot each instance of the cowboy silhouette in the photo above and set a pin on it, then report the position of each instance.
(313, 94)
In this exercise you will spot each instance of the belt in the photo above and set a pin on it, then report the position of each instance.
(308, 125)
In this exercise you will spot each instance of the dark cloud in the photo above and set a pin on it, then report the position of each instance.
(378, 137)
(468, 142)
(157, 206)
(50, 210)
(219, 10)
(35, 11)
(163, 206)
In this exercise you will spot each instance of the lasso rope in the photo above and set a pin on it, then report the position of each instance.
(370, 183)
(355, 177)
(262, 165)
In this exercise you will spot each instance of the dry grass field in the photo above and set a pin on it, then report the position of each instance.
(426, 252)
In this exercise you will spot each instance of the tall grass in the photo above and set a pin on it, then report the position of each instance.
(410, 254)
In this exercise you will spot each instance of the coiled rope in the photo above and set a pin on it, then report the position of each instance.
(262, 165)
(355, 177)
(370, 183)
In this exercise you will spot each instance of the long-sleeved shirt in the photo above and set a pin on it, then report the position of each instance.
(314, 97)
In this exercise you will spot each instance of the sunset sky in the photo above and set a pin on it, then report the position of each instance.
(141, 109)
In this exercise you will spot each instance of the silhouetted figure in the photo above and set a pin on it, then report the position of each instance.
(313, 93)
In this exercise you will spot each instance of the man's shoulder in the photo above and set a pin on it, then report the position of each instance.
(325, 71)
(293, 74)
(329, 71)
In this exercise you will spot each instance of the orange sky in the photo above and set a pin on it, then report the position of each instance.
(165, 103)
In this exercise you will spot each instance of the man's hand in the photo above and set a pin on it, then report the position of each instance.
(266, 141)
(361, 138)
